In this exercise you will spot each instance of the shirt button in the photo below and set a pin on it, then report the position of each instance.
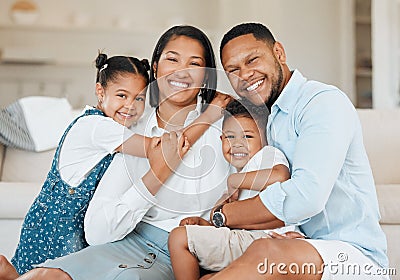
(71, 191)
(152, 255)
(123, 266)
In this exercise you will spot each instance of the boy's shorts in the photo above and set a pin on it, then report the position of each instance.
(216, 248)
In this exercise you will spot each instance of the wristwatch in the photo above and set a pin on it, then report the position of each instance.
(218, 218)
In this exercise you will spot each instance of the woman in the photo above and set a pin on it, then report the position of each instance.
(143, 217)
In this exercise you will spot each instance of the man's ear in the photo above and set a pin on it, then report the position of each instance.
(279, 52)
(99, 92)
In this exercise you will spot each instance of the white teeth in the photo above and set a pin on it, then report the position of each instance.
(179, 84)
(254, 86)
(125, 115)
(239, 154)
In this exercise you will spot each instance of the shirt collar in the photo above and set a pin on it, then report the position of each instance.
(290, 93)
(152, 124)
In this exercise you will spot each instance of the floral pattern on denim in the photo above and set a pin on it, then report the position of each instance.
(53, 226)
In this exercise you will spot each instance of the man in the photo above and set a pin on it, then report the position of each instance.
(331, 193)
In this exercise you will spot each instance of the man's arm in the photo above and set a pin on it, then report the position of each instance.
(249, 214)
(325, 132)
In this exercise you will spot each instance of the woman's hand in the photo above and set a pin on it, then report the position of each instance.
(194, 221)
(165, 154)
(173, 148)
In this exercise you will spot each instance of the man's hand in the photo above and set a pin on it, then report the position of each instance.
(194, 221)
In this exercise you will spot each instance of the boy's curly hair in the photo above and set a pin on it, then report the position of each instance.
(244, 108)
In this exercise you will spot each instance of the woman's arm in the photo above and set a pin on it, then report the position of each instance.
(120, 203)
(260, 179)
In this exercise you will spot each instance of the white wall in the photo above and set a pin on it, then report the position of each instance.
(69, 33)
(386, 53)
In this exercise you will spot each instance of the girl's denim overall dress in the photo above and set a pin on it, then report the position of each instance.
(53, 226)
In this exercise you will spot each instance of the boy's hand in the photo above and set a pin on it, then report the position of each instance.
(286, 235)
(194, 221)
(234, 196)
(215, 109)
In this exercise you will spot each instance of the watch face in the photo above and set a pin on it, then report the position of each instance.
(218, 219)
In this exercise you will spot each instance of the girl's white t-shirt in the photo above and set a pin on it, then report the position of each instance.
(89, 140)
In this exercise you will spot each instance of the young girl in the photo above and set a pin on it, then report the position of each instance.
(53, 226)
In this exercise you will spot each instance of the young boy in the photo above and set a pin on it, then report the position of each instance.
(212, 246)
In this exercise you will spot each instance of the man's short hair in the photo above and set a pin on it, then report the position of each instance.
(259, 31)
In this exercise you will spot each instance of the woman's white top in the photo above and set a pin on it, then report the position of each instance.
(122, 200)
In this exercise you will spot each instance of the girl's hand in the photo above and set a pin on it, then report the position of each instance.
(194, 221)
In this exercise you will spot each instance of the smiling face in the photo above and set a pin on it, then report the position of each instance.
(257, 71)
(180, 71)
(241, 140)
(123, 99)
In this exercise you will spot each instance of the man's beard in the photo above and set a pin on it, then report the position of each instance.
(275, 89)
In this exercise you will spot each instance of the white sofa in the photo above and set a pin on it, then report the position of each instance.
(22, 173)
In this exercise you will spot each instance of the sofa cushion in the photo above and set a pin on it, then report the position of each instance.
(381, 134)
(389, 206)
(393, 244)
(25, 166)
(2, 150)
(16, 198)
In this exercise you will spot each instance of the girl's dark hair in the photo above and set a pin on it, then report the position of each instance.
(259, 31)
(244, 108)
(108, 69)
(208, 92)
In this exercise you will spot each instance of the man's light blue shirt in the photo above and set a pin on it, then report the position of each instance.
(331, 193)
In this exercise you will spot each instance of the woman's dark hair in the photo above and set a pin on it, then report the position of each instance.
(244, 108)
(108, 69)
(208, 92)
(259, 31)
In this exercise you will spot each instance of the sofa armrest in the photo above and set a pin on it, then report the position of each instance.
(2, 152)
